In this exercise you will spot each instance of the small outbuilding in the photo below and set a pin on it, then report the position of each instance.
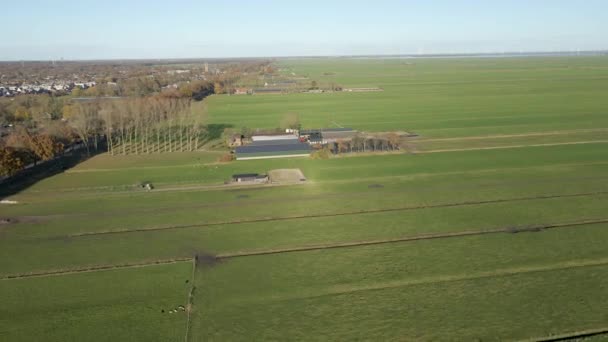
(249, 178)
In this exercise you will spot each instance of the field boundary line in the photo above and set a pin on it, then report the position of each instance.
(135, 168)
(305, 198)
(419, 237)
(415, 176)
(189, 299)
(400, 178)
(505, 272)
(511, 146)
(129, 189)
(123, 190)
(348, 213)
(92, 269)
(531, 134)
(570, 336)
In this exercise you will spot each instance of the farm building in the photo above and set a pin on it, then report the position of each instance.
(273, 137)
(249, 177)
(273, 149)
(327, 135)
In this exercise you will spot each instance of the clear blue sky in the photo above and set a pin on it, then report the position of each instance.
(41, 29)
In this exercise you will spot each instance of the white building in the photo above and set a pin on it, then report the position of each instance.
(274, 137)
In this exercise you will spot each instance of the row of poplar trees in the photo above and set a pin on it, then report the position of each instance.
(154, 124)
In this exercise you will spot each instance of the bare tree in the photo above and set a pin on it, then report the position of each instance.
(86, 123)
(394, 140)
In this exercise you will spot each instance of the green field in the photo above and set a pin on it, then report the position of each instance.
(492, 227)
(437, 98)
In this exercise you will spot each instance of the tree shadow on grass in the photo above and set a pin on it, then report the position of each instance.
(35, 174)
(215, 131)
(31, 176)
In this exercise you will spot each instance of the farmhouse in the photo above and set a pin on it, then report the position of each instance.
(242, 91)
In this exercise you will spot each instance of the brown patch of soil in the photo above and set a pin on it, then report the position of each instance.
(286, 176)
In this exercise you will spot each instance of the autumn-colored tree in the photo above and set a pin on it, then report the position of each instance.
(45, 147)
(10, 163)
(394, 140)
(91, 92)
(22, 114)
(218, 88)
(40, 146)
(18, 139)
(54, 107)
(67, 111)
(201, 89)
(77, 91)
(60, 132)
(185, 90)
(343, 146)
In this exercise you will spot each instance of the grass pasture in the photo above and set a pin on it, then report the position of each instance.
(121, 304)
(495, 228)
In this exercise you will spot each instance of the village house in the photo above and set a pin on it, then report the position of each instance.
(242, 91)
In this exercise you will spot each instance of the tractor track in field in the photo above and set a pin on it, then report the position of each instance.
(511, 146)
(521, 135)
(349, 213)
(190, 300)
(296, 199)
(572, 336)
(220, 256)
(78, 192)
(93, 269)
(439, 279)
(421, 237)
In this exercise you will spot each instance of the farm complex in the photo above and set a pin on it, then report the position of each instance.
(457, 199)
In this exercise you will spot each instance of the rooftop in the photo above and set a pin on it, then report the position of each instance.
(275, 142)
(245, 175)
(299, 147)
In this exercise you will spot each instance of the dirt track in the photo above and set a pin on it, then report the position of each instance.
(573, 336)
(512, 146)
(532, 134)
(93, 269)
(510, 230)
(190, 300)
(245, 202)
(445, 279)
(420, 237)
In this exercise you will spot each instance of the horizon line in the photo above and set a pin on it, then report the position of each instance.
(547, 53)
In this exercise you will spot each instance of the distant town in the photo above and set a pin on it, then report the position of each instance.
(44, 88)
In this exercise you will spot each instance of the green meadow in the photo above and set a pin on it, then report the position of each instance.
(491, 225)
